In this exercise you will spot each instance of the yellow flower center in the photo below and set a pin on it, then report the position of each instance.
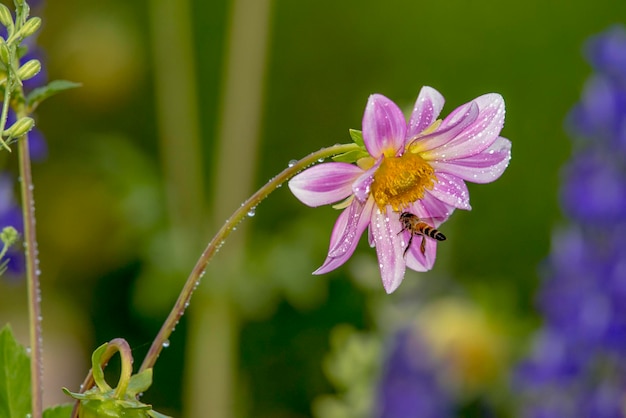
(400, 181)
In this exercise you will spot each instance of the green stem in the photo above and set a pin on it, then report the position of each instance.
(32, 276)
(218, 240)
(5, 105)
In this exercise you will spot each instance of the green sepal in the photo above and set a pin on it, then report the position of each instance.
(15, 395)
(96, 369)
(357, 137)
(350, 156)
(59, 411)
(139, 382)
(355, 154)
(99, 401)
(40, 94)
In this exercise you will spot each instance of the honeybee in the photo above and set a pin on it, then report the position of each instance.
(416, 226)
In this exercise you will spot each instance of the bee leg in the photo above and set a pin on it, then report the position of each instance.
(408, 246)
(423, 245)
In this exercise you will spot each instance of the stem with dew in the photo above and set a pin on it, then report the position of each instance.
(194, 277)
(32, 276)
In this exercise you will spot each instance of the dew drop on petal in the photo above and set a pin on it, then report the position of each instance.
(166, 343)
(252, 212)
(292, 163)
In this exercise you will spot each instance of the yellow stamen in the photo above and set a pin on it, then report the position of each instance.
(400, 181)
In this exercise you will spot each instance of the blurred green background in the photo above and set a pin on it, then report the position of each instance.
(188, 106)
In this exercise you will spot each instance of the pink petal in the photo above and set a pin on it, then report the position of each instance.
(349, 227)
(427, 107)
(385, 228)
(384, 127)
(476, 137)
(346, 233)
(431, 210)
(451, 190)
(361, 186)
(484, 167)
(417, 261)
(450, 128)
(324, 183)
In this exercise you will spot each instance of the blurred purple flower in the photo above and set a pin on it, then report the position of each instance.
(577, 365)
(605, 52)
(11, 215)
(408, 387)
(593, 190)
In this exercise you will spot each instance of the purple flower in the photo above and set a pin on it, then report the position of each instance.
(605, 52)
(418, 167)
(577, 365)
(11, 215)
(594, 189)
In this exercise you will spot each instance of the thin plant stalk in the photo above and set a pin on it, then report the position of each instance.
(162, 338)
(32, 276)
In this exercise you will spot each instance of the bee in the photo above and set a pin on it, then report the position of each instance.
(416, 226)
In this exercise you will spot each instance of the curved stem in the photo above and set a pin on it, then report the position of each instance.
(194, 278)
(32, 276)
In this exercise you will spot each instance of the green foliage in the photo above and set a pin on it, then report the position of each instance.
(59, 411)
(352, 367)
(40, 94)
(15, 397)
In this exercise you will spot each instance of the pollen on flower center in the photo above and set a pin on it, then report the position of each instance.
(400, 181)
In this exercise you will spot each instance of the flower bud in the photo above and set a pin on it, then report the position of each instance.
(9, 235)
(29, 69)
(6, 18)
(19, 128)
(5, 56)
(30, 27)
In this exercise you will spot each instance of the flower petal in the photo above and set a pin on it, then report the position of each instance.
(349, 227)
(451, 190)
(476, 137)
(484, 167)
(384, 127)
(385, 228)
(427, 107)
(324, 183)
(361, 186)
(432, 210)
(449, 129)
(417, 261)
(346, 233)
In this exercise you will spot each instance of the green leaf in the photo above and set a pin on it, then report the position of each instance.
(40, 94)
(96, 368)
(350, 156)
(357, 137)
(59, 411)
(15, 396)
(139, 382)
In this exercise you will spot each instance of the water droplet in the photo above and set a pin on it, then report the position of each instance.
(292, 163)
(320, 160)
(166, 343)
(251, 212)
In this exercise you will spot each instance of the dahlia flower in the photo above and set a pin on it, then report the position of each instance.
(419, 167)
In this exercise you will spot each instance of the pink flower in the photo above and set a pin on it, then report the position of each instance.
(419, 167)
